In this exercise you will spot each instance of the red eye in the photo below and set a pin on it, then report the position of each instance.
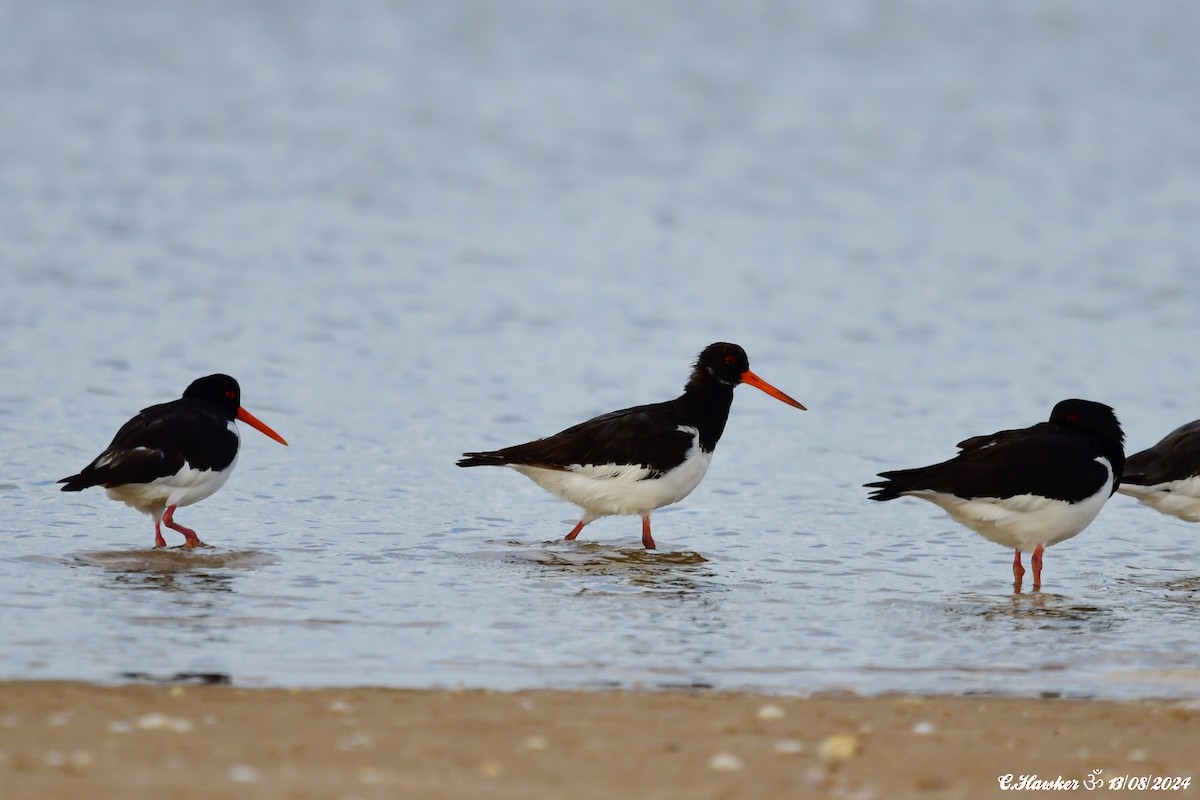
(1072, 418)
(730, 360)
(230, 394)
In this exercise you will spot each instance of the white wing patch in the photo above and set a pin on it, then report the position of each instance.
(622, 473)
(104, 459)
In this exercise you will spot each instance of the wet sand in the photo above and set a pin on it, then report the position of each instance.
(73, 740)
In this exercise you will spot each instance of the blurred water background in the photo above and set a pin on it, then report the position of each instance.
(416, 228)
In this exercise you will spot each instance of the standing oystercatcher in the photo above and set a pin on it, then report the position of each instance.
(1167, 476)
(173, 454)
(1026, 489)
(642, 458)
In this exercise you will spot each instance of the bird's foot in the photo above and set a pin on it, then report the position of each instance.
(647, 539)
(190, 539)
(1018, 572)
(1036, 562)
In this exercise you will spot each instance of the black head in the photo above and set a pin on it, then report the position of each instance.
(223, 392)
(726, 365)
(723, 361)
(220, 390)
(1093, 419)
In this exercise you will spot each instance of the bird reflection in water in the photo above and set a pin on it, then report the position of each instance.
(175, 570)
(1044, 609)
(652, 572)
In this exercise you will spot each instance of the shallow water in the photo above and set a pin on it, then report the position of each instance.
(416, 229)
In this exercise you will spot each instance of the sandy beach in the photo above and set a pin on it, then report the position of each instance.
(74, 740)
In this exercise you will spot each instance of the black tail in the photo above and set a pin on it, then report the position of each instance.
(891, 488)
(76, 483)
(482, 460)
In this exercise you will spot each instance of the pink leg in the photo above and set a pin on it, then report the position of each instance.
(1018, 571)
(1036, 562)
(575, 531)
(159, 541)
(647, 539)
(189, 535)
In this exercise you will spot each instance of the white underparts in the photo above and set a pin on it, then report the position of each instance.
(1024, 521)
(1178, 498)
(185, 487)
(606, 489)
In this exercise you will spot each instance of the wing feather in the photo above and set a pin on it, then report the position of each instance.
(1037, 461)
(650, 436)
(152, 445)
(1176, 457)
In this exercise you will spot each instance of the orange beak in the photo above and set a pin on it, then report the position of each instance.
(253, 421)
(751, 379)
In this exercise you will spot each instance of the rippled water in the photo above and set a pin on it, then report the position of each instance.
(420, 228)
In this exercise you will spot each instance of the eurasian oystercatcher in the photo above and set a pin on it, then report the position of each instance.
(173, 454)
(1167, 476)
(1027, 488)
(637, 459)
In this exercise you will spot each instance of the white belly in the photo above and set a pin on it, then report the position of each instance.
(1177, 498)
(181, 489)
(1025, 521)
(605, 489)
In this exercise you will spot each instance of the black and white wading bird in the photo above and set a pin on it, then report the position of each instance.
(1025, 489)
(642, 458)
(1167, 476)
(173, 454)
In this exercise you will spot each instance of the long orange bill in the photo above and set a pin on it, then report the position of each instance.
(751, 379)
(253, 421)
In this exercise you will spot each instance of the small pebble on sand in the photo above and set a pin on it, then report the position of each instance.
(789, 747)
(161, 722)
(839, 748)
(725, 762)
(243, 773)
(359, 740)
(770, 712)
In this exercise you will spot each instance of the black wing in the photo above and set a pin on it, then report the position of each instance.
(1040, 460)
(644, 435)
(979, 442)
(156, 443)
(1176, 457)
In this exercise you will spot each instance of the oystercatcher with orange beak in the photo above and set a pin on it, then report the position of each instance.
(638, 459)
(173, 454)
